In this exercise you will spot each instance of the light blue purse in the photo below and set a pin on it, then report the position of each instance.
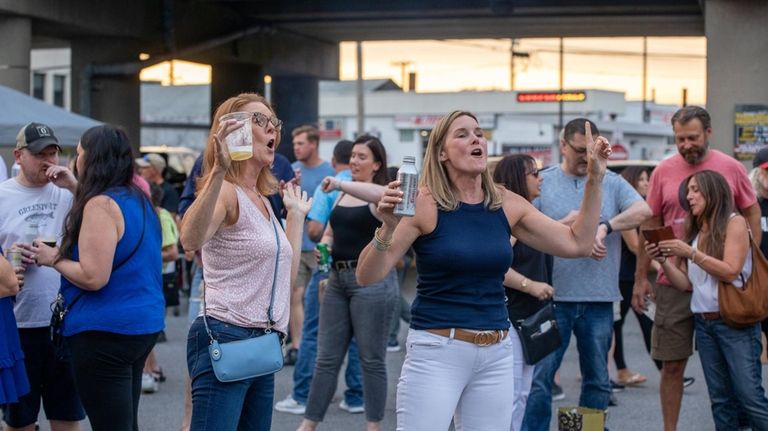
(252, 357)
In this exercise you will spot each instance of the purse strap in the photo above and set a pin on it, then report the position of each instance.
(270, 321)
(116, 267)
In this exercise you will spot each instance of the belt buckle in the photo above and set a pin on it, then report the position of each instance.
(485, 338)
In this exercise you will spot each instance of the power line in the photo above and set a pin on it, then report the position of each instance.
(576, 51)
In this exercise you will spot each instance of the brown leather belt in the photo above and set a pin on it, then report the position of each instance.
(480, 338)
(715, 315)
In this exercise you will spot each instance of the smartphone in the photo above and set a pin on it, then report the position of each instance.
(658, 234)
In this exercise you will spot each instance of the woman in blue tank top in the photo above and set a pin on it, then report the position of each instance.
(111, 279)
(459, 360)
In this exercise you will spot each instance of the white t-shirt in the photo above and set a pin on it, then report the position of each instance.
(704, 298)
(27, 212)
(3, 170)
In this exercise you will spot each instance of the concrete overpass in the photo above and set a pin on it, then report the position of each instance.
(296, 41)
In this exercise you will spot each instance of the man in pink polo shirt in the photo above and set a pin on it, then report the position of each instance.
(672, 337)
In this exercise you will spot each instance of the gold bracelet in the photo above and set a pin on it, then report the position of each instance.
(378, 245)
(377, 237)
(693, 255)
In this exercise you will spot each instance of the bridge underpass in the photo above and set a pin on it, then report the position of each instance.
(296, 42)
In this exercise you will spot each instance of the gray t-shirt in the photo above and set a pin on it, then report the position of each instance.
(27, 213)
(586, 279)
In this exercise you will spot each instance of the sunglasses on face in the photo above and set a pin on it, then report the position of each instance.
(261, 120)
(535, 173)
(577, 150)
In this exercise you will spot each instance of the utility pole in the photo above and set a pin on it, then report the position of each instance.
(513, 52)
(555, 149)
(403, 76)
(360, 100)
(645, 79)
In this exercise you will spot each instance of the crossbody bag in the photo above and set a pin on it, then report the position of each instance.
(252, 357)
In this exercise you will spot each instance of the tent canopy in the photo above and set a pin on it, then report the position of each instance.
(18, 109)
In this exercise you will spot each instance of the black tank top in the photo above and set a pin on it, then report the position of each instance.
(353, 229)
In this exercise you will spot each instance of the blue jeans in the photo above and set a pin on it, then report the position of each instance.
(242, 405)
(730, 359)
(592, 323)
(305, 362)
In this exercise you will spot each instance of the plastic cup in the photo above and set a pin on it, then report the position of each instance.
(240, 141)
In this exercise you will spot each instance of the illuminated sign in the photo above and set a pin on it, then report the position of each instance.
(552, 96)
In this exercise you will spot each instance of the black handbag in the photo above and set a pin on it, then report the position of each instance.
(538, 334)
(59, 308)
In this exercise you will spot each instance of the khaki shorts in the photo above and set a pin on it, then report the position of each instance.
(307, 265)
(672, 335)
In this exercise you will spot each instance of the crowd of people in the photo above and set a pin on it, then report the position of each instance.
(315, 253)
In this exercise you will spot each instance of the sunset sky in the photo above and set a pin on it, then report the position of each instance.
(483, 64)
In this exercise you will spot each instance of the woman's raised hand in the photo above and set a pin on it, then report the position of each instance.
(223, 161)
(598, 151)
(386, 207)
(296, 200)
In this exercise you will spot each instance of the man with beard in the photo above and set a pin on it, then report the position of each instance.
(672, 336)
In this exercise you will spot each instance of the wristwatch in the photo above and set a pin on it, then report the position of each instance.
(608, 226)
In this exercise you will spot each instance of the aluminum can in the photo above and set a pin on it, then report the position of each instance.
(324, 264)
(408, 176)
(14, 257)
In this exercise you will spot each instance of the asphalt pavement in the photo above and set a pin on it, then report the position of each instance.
(638, 407)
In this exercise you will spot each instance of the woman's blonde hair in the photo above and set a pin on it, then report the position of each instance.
(266, 183)
(435, 178)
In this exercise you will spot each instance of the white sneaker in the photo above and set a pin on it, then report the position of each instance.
(289, 405)
(148, 384)
(352, 409)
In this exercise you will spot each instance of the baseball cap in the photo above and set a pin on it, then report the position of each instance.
(152, 159)
(36, 137)
(761, 159)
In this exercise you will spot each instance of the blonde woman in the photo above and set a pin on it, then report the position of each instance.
(459, 360)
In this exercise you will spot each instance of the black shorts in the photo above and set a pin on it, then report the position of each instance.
(49, 378)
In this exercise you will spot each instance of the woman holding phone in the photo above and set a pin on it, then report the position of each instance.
(716, 248)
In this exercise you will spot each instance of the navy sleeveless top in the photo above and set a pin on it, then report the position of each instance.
(131, 303)
(461, 267)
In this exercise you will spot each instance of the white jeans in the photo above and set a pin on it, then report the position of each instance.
(442, 378)
(523, 380)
